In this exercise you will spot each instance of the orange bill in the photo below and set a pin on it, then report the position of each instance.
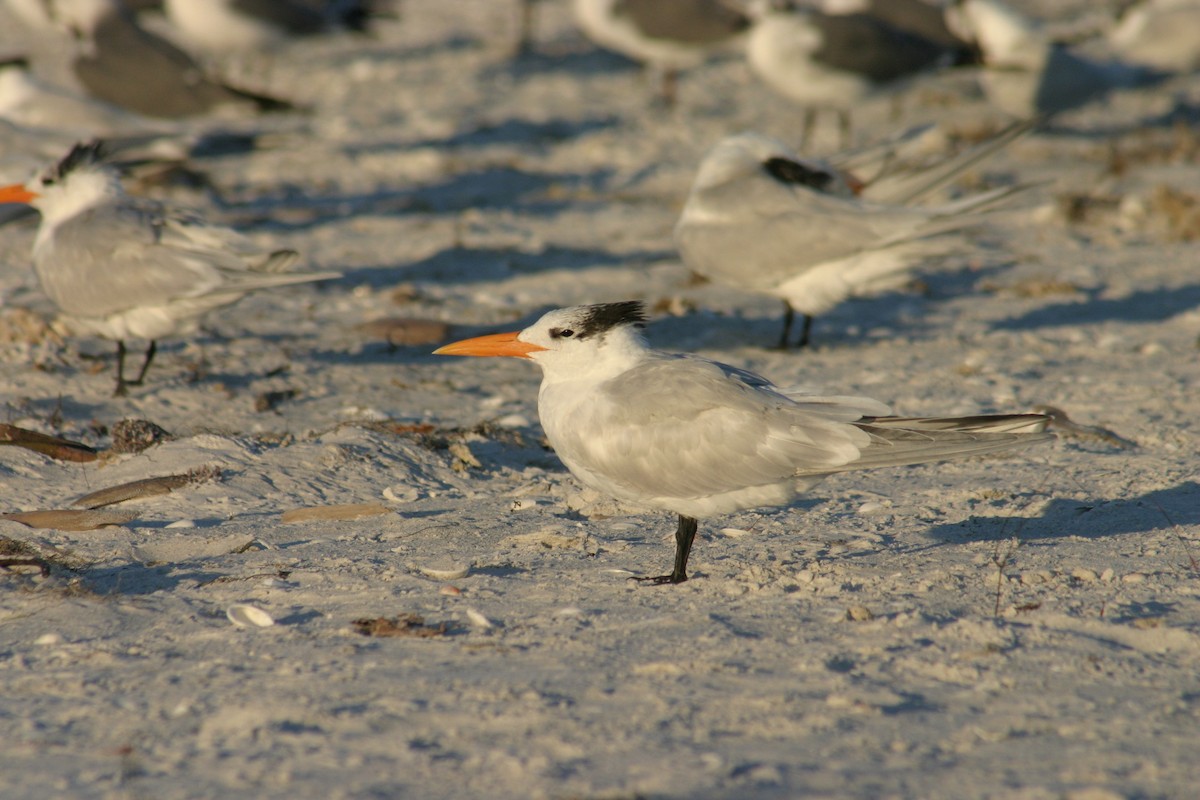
(497, 344)
(15, 194)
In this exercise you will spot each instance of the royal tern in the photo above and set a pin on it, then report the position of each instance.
(834, 61)
(122, 267)
(120, 62)
(762, 219)
(699, 438)
(668, 35)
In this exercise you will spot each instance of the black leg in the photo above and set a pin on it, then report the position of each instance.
(685, 534)
(789, 317)
(150, 351)
(120, 391)
(805, 329)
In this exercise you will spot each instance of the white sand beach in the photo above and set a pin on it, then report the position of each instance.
(1016, 626)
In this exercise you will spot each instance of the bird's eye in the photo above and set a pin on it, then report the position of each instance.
(561, 333)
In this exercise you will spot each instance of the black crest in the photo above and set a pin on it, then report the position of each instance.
(788, 171)
(82, 154)
(603, 317)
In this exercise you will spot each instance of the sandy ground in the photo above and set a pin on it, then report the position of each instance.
(1016, 627)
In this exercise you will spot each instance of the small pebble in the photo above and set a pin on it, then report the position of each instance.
(1133, 577)
(450, 591)
(48, 638)
(1083, 574)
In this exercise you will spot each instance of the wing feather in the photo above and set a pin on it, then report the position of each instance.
(121, 257)
(701, 429)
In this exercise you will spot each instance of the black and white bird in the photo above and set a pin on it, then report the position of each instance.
(834, 61)
(762, 219)
(123, 268)
(666, 35)
(699, 438)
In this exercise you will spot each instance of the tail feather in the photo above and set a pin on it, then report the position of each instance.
(278, 261)
(900, 441)
(241, 281)
(903, 190)
(983, 423)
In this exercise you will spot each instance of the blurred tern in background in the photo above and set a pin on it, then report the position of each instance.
(667, 35)
(761, 219)
(122, 267)
(835, 61)
(699, 438)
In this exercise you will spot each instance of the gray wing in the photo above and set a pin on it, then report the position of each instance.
(111, 260)
(120, 257)
(864, 45)
(701, 428)
(145, 73)
(698, 22)
(759, 232)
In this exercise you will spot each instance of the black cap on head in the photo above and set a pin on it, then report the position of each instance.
(82, 154)
(603, 317)
(785, 170)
